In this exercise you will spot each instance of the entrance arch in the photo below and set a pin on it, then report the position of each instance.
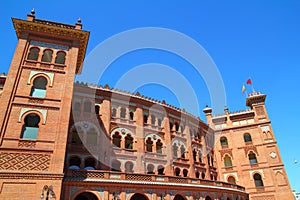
(86, 196)
(138, 196)
(179, 197)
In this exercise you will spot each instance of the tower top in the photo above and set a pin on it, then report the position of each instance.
(255, 98)
(53, 29)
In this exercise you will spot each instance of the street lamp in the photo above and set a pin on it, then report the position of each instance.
(49, 192)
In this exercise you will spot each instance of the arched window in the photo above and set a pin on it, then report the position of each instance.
(257, 180)
(38, 88)
(159, 120)
(129, 142)
(185, 173)
(200, 156)
(195, 155)
(153, 119)
(203, 175)
(114, 112)
(97, 109)
(182, 151)
(252, 158)
(247, 137)
(223, 141)
(128, 167)
(207, 198)
(91, 138)
(208, 159)
(74, 162)
(117, 139)
(116, 166)
(47, 55)
(75, 136)
(231, 180)
(177, 172)
(60, 57)
(160, 170)
(227, 161)
(175, 151)
(89, 164)
(87, 106)
(177, 126)
(145, 119)
(149, 144)
(171, 126)
(150, 169)
(123, 113)
(159, 146)
(31, 127)
(131, 115)
(197, 174)
(33, 53)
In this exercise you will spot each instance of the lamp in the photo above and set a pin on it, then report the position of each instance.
(49, 192)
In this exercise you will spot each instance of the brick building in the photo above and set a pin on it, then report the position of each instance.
(60, 140)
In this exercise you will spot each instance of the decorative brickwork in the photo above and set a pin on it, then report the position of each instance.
(24, 161)
(26, 144)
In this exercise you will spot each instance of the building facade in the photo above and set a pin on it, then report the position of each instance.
(60, 140)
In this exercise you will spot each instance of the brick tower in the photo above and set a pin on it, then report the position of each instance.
(35, 107)
(247, 152)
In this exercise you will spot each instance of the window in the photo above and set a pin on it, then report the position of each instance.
(159, 146)
(175, 151)
(195, 155)
(77, 106)
(47, 55)
(149, 144)
(97, 109)
(89, 164)
(75, 136)
(38, 88)
(177, 126)
(182, 151)
(129, 142)
(177, 172)
(114, 112)
(247, 137)
(128, 167)
(203, 175)
(160, 170)
(145, 119)
(185, 173)
(123, 113)
(131, 115)
(152, 119)
(116, 166)
(252, 158)
(33, 53)
(159, 121)
(150, 169)
(87, 106)
(208, 159)
(200, 156)
(74, 162)
(223, 141)
(171, 126)
(197, 174)
(91, 138)
(231, 180)
(257, 180)
(117, 139)
(31, 127)
(60, 57)
(227, 161)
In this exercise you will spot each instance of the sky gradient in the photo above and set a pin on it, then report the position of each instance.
(257, 39)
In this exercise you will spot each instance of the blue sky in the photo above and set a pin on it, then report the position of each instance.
(257, 39)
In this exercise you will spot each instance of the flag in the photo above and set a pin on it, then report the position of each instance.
(243, 89)
(249, 81)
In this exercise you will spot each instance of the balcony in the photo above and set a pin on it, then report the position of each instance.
(94, 175)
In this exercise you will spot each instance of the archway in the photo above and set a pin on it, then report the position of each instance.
(86, 196)
(179, 197)
(138, 196)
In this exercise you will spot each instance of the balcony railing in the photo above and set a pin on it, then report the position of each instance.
(98, 174)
